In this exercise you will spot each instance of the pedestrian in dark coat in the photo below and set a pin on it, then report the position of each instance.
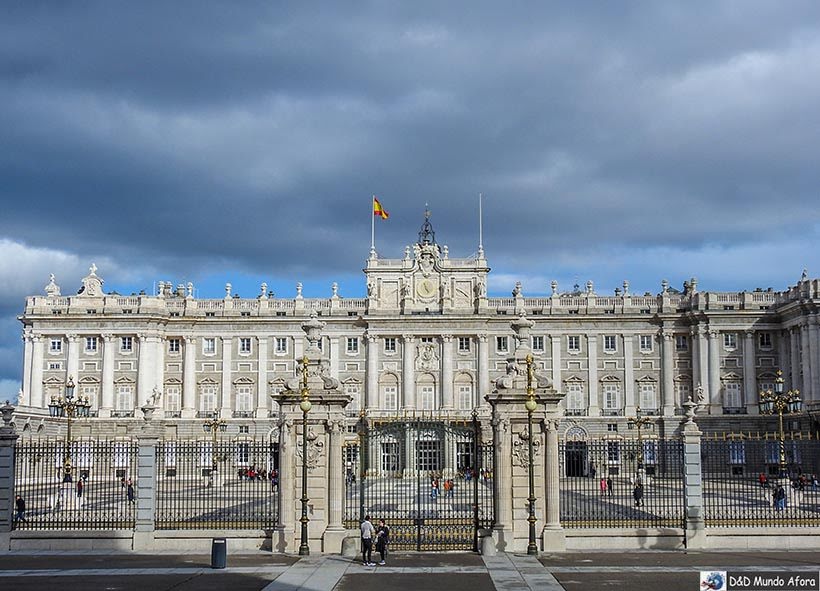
(637, 494)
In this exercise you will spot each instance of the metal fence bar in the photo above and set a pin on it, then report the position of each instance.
(604, 484)
(94, 497)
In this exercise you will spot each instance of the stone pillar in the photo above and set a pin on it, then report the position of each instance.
(160, 345)
(805, 358)
(483, 369)
(37, 361)
(695, 343)
(8, 439)
(335, 479)
(146, 483)
(693, 481)
(372, 393)
(703, 362)
(408, 377)
(668, 362)
(284, 531)
(794, 358)
(629, 374)
(554, 538)
(749, 381)
(262, 377)
(503, 476)
(227, 385)
(814, 347)
(73, 363)
(715, 404)
(555, 342)
(334, 357)
(109, 351)
(592, 372)
(189, 379)
(447, 372)
(27, 357)
(146, 368)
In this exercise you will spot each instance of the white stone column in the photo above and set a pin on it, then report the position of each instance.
(28, 351)
(553, 516)
(159, 365)
(372, 394)
(805, 358)
(109, 352)
(335, 482)
(503, 475)
(189, 379)
(703, 363)
(814, 347)
(592, 373)
(694, 339)
(334, 357)
(408, 372)
(145, 374)
(749, 382)
(447, 371)
(668, 363)
(555, 345)
(262, 377)
(73, 363)
(715, 403)
(483, 369)
(37, 361)
(298, 348)
(287, 485)
(794, 341)
(629, 374)
(227, 356)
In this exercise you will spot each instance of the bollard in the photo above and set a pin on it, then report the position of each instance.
(219, 553)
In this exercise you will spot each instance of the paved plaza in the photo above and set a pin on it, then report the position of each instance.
(672, 571)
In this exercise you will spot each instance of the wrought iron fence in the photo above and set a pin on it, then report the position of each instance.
(621, 483)
(742, 475)
(232, 485)
(97, 493)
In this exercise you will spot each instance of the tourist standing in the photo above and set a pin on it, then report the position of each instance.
(434, 489)
(637, 494)
(609, 486)
(368, 531)
(129, 491)
(20, 506)
(382, 539)
(603, 486)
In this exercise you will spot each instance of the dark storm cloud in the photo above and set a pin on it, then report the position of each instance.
(204, 138)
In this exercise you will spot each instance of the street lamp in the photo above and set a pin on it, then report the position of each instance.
(212, 426)
(67, 406)
(781, 403)
(304, 405)
(531, 404)
(639, 423)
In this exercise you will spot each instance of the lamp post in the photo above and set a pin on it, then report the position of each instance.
(69, 407)
(304, 405)
(780, 402)
(531, 404)
(212, 426)
(639, 423)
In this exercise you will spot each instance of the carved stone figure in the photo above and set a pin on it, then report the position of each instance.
(521, 451)
(92, 285)
(52, 289)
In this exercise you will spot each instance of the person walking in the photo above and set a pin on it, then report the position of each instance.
(603, 486)
(609, 486)
(130, 491)
(20, 506)
(382, 539)
(779, 498)
(368, 532)
(434, 489)
(637, 494)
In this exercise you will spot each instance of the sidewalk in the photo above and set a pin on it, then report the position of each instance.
(672, 571)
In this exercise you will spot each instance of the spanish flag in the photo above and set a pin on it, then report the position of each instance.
(378, 210)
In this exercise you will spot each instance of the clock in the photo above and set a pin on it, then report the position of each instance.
(426, 288)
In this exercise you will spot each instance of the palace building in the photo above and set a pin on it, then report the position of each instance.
(427, 340)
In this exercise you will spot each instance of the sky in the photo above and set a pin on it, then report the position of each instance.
(241, 142)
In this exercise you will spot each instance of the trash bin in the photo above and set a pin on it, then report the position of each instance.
(219, 553)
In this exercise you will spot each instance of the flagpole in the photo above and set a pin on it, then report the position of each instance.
(372, 227)
(480, 227)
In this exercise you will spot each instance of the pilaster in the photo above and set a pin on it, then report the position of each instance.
(372, 393)
(37, 362)
(668, 358)
(629, 374)
(447, 371)
(189, 379)
(714, 372)
(408, 372)
(262, 377)
(483, 369)
(806, 361)
(592, 372)
(749, 381)
(227, 383)
(109, 351)
(28, 350)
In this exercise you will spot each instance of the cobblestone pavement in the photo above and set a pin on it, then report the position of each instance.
(672, 571)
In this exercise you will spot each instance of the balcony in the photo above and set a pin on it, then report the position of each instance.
(612, 412)
(734, 410)
(576, 412)
(122, 413)
(243, 414)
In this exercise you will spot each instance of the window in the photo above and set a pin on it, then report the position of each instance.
(90, 393)
(172, 399)
(352, 345)
(647, 397)
(729, 340)
(391, 398)
(210, 314)
(245, 314)
(681, 343)
(428, 397)
(244, 429)
(501, 344)
(733, 398)
(56, 346)
(465, 396)
(766, 386)
(574, 343)
(209, 345)
(207, 398)
(575, 396)
(538, 343)
(55, 365)
(124, 398)
(609, 343)
(613, 452)
(244, 346)
(427, 340)
(90, 344)
(428, 455)
(612, 427)
(463, 344)
(684, 391)
(352, 390)
(650, 453)
(611, 397)
(126, 344)
(465, 450)
(281, 345)
(173, 345)
(737, 452)
(764, 340)
(390, 345)
(390, 456)
(645, 343)
(244, 398)
(320, 344)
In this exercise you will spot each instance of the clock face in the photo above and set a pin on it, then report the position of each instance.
(426, 288)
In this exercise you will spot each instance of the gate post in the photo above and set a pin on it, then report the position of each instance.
(695, 527)
(8, 439)
(146, 484)
(510, 431)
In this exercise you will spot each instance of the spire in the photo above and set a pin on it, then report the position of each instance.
(426, 234)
